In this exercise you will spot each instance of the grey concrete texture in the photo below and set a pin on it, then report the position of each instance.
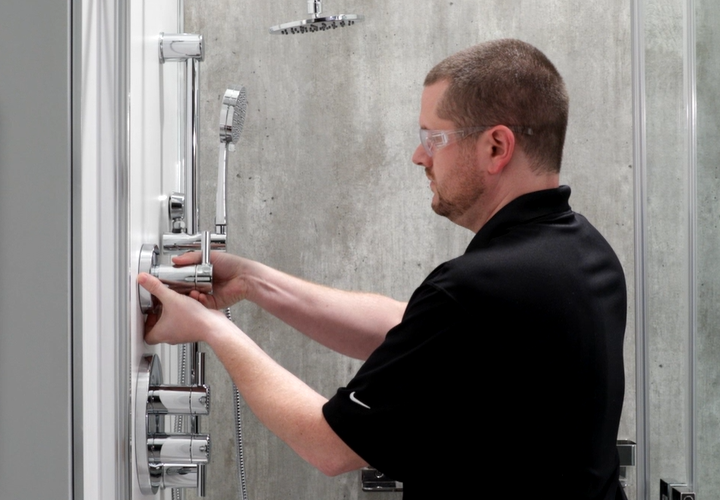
(667, 236)
(708, 239)
(321, 185)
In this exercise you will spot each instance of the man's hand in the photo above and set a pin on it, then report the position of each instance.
(229, 286)
(178, 319)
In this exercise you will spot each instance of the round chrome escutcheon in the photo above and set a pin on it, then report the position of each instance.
(148, 259)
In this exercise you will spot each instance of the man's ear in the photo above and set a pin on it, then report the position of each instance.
(501, 144)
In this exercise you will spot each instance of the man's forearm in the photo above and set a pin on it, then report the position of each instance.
(352, 323)
(281, 401)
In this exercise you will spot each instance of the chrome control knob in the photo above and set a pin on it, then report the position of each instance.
(182, 449)
(168, 460)
(180, 279)
(179, 400)
(176, 476)
(185, 279)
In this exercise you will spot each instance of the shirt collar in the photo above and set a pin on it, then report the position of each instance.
(522, 209)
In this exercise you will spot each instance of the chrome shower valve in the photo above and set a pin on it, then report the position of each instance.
(168, 460)
(181, 449)
(178, 400)
(180, 279)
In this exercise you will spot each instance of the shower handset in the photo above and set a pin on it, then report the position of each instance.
(232, 120)
(315, 21)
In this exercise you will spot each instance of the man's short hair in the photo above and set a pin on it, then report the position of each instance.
(507, 82)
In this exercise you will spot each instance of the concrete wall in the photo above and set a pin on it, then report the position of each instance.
(708, 274)
(322, 185)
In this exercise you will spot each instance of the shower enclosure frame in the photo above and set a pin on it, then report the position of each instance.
(647, 478)
(101, 343)
(110, 166)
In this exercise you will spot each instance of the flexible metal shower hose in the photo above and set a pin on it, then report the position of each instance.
(238, 435)
(178, 493)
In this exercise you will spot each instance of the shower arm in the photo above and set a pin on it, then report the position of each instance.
(314, 8)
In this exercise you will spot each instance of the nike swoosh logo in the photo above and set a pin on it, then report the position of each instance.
(356, 400)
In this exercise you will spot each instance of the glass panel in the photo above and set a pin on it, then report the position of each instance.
(667, 303)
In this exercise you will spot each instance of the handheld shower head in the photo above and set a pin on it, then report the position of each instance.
(315, 22)
(232, 121)
(232, 114)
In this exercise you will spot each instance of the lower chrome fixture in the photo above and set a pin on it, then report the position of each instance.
(168, 460)
(375, 481)
(315, 21)
(626, 454)
(674, 490)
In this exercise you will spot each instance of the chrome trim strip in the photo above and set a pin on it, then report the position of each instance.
(640, 203)
(122, 258)
(77, 474)
(690, 91)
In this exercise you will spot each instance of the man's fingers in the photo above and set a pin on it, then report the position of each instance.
(153, 318)
(187, 259)
(153, 285)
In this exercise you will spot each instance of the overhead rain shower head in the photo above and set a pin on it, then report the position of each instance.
(316, 22)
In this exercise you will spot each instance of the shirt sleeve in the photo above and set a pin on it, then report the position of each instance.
(409, 385)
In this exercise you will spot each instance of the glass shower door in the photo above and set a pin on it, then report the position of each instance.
(679, 373)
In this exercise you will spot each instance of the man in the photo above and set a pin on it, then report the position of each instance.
(503, 375)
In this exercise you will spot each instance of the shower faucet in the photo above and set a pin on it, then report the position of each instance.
(178, 459)
(167, 460)
(180, 279)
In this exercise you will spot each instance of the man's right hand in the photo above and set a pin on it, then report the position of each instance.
(229, 286)
(351, 323)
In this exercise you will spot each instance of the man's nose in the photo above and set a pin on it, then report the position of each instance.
(420, 157)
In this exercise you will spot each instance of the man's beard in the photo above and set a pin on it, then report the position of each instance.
(471, 187)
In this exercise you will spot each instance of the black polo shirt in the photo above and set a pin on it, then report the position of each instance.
(505, 376)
